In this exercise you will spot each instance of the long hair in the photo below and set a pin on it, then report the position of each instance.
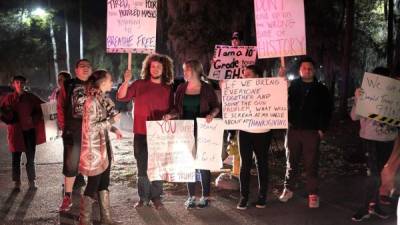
(96, 78)
(255, 69)
(196, 67)
(167, 76)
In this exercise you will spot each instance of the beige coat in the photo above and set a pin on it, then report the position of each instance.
(96, 123)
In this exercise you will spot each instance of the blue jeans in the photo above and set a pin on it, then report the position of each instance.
(147, 190)
(205, 179)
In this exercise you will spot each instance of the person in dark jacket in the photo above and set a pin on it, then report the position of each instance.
(193, 99)
(25, 129)
(310, 108)
(70, 102)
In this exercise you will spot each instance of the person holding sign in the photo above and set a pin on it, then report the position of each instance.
(61, 78)
(22, 113)
(95, 158)
(257, 141)
(193, 99)
(153, 98)
(310, 109)
(377, 141)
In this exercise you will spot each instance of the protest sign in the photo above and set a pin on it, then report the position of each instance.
(209, 144)
(131, 26)
(49, 110)
(380, 100)
(280, 28)
(170, 150)
(229, 62)
(257, 103)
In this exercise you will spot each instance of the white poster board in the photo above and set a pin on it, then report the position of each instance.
(230, 62)
(280, 28)
(49, 110)
(170, 150)
(209, 144)
(380, 100)
(131, 26)
(257, 103)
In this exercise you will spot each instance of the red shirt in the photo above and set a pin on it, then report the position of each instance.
(151, 102)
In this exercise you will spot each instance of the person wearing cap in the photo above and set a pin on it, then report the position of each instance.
(25, 129)
(235, 40)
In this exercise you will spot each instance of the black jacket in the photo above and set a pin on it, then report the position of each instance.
(309, 109)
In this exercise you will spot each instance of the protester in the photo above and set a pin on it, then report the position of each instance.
(69, 117)
(61, 78)
(310, 108)
(377, 142)
(257, 141)
(153, 98)
(22, 113)
(195, 98)
(95, 157)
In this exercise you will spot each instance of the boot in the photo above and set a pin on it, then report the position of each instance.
(85, 214)
(105, 209)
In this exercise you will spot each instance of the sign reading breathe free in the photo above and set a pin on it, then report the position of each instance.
(131, 26)
(380, 100)
(170, 150)
(257, 103)
(280, 28)
(230, 62)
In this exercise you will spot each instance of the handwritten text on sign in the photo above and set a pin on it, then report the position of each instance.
(381, 97)
(170, 145)
(280, 28)
(49, 110)
(229, 62)
(131, 25)
(209, 144)
(258, 103)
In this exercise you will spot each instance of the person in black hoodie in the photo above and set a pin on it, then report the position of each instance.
(310, 108)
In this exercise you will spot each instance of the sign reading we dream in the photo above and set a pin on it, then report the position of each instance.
(257, 103)
(49, 110)
(170, 150)
(380, 99)
(131, 26)
(230, 62)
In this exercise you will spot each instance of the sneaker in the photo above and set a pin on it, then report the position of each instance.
(313, 201)
(158, 204)
(286, 195)
(260, 203)
(32, 186)
(17, 185)
(360, 215)
(203, 203)
(141, 204)
(377, 211)
(190, 203)
(242, 204)
(66, 204)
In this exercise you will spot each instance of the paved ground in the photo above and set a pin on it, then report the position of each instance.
(339, 198)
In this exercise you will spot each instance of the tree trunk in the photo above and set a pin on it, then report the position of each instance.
(80, 31)
(389, 46)
(347, 44)
(54, 46)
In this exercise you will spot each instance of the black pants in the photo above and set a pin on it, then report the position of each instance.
(302, 143)
(259, 144)
(205, 179)
(98, 183)
(147, 190)
(377, 154)
(30, 151)
(72, 151)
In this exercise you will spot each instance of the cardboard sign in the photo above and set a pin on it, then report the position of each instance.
(257, 103)
(170, 150)
(230, 62)
(209, 144)
(49, 110)
(280, 28)
(380, 100)
(131, 26)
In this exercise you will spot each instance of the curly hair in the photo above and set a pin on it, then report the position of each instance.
(167, 76)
